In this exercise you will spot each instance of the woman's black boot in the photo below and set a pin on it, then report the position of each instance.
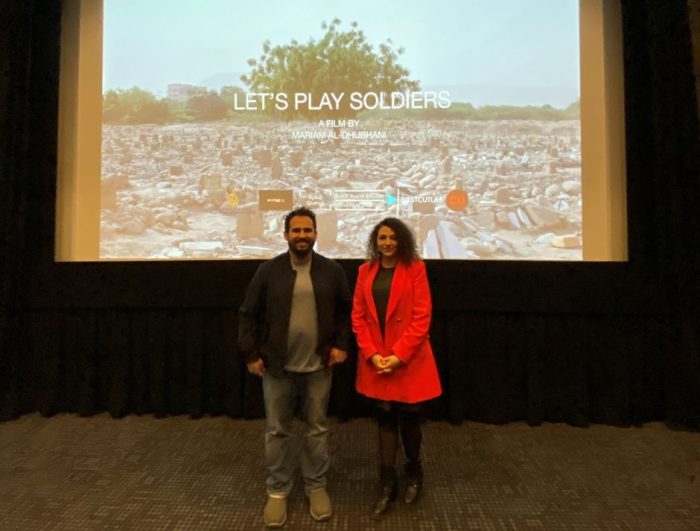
(388, 490)
(414, 484)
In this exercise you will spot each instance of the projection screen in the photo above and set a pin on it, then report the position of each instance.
(188, 129)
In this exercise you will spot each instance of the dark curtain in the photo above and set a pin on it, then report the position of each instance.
(541, 342)
(663, 156)
(29, 40)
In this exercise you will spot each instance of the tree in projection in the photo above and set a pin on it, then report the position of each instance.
(207, 107)
(133, 106)
(340, 62)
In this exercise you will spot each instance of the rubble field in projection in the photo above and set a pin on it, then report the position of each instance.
(191, 191)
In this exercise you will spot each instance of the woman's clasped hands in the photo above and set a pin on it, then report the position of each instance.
(385, 364)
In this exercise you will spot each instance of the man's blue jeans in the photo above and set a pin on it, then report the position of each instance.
(311, 391)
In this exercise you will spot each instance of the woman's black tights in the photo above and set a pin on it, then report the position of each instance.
(393, 418)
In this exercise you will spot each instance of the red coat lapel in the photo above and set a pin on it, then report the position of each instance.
(369, 297)
(399, 283)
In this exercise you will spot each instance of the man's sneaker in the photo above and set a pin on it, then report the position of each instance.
(320, 504)
(275, 514)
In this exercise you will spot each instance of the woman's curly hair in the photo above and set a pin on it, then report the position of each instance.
(406, 243)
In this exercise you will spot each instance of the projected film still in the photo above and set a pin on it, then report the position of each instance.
(459, 117)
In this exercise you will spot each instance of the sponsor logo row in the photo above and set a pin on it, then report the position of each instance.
(360, 200)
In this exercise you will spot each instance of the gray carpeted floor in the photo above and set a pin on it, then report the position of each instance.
(143, 473)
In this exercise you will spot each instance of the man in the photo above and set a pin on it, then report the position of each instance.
(294, 325)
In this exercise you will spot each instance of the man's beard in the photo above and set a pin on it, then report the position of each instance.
(301, 253)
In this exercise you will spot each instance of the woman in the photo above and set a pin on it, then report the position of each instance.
(391, 319)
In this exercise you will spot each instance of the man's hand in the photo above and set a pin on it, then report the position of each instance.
(256, 367)
(337, 356)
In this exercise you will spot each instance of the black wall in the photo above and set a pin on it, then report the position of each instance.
(615, 343)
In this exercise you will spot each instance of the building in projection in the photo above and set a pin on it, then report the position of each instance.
(181, 92)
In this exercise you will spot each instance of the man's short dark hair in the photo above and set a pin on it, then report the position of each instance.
(301, 211)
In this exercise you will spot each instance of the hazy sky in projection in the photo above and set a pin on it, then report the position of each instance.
(486, 45)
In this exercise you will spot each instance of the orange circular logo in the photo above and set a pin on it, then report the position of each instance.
(457, 200)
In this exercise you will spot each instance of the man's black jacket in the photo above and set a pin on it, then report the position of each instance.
(263, 325)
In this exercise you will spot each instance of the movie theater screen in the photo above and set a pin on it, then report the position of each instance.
(188, 129)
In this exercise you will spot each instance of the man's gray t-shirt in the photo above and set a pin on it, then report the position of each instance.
(303, 323)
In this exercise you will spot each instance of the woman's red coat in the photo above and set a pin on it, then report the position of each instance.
(405, 335)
